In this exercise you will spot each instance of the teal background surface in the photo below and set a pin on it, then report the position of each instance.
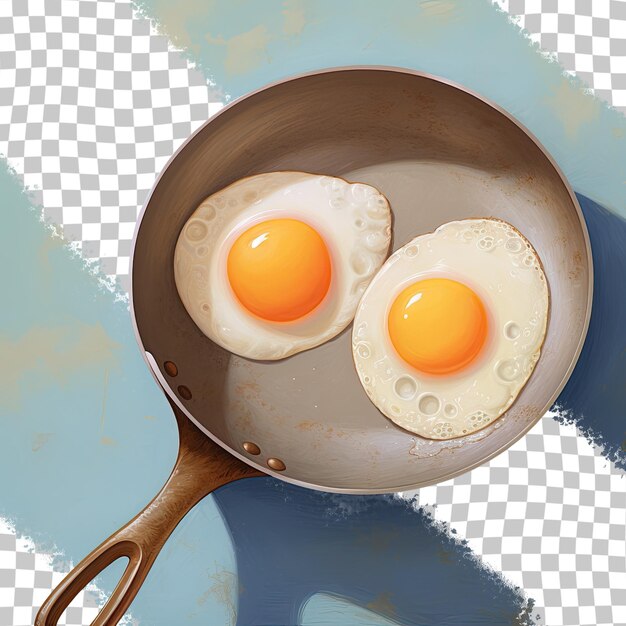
(87, 436)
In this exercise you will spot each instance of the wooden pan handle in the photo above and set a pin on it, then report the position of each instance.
(201, 467)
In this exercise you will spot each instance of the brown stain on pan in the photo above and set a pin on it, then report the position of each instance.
(523, 412)
(249, 389)
(578, 266)
(322, 429)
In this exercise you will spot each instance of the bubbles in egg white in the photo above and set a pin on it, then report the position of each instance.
(354, 220)
(503, 269)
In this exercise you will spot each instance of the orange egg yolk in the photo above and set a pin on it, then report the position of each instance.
(438, 325)
(279, 269)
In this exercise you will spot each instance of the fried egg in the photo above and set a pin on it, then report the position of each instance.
(276, 263)
(450, 329)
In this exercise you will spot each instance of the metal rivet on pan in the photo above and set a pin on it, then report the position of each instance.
(170, 368)
(251, 448)
(276, 464)
(184, 392)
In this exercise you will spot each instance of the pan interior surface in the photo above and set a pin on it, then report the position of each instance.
(438, 153)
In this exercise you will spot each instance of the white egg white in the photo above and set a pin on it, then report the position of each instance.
(354, 220)
(500, 265)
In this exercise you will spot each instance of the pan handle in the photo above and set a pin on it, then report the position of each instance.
(201, 467)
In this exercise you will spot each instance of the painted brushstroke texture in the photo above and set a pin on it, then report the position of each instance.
(595, 396)
(378, 553)
(324, 609)
(77, 489)
(243, 45)
(77, 455)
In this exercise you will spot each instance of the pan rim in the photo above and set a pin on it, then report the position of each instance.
(151, 362)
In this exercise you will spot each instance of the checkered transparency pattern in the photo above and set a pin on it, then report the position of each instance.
(26, 579)
(550, 514)
(588, 38)
(92, 104)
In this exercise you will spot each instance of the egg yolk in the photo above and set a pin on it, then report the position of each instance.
(279, 269)
(437, 325)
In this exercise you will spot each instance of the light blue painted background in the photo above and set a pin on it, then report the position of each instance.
(468, 41)
(74, 490)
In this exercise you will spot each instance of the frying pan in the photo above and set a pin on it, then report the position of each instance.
(439, 153)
